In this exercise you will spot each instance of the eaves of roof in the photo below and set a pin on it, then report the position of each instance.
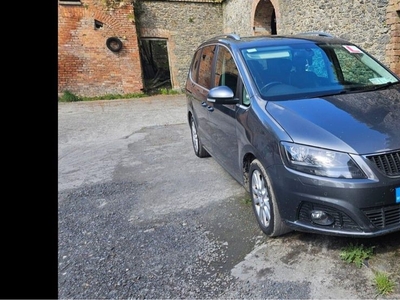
(189, 1)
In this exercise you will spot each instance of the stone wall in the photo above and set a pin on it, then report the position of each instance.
(374, 25)
(238, 17)
(86, 67)
(359, 21)
(185, 25)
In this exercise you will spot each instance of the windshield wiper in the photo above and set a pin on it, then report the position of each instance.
(333, 93)
(384, 86)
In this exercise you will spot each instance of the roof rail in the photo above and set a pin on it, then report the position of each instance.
(229, 35)
(319, 33)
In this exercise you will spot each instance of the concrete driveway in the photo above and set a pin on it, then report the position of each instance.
(140, 216)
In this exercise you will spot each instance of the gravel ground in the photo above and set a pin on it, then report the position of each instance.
(115, 258)
(140, 216)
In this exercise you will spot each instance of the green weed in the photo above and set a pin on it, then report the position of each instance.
(356, 254)
(114, 97)
(247, 201)
(383, 283)
(164, 91)
(69, 97)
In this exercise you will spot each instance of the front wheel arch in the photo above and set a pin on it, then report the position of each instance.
(264, 203)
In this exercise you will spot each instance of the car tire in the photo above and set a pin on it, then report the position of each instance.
(114, 44)
(197, 145)
(263, 201)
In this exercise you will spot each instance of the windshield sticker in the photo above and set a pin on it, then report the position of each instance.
(251, 50)
(352, 49)
(380, 80)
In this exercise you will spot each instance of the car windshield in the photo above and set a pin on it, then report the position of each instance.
(310, 70)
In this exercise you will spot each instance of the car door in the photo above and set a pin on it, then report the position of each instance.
(222, 117)
(198, 86)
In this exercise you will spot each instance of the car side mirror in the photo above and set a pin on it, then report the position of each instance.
(222, 95)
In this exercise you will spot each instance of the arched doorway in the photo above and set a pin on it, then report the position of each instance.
(264, 18)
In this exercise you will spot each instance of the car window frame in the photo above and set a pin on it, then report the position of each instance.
(210, 67)
(228, 71)
(194, 67)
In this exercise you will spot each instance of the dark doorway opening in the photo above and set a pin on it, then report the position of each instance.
(273, 23)
(155, 64)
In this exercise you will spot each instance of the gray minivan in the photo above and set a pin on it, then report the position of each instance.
(309, 124)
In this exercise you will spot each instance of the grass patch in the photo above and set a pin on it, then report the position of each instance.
(247, 201)
(114, 97)
(383, 283)
(67, 96)
(165, 91)
(356, 254)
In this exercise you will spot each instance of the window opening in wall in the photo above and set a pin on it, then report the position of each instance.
(273, 23)
(155, 64)
(98, 24)
(70, 2)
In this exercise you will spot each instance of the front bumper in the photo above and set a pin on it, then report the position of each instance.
(359, 207)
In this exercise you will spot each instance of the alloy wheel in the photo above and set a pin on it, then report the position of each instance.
(261, 198)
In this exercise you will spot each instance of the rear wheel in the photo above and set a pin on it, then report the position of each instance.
(263, 201)
(197, 145)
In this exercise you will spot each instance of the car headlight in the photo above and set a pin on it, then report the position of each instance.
(320, 162)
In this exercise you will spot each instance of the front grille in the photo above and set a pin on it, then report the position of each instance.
(384, 216)
(388, 163)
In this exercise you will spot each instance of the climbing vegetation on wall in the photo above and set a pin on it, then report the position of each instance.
(111, 4)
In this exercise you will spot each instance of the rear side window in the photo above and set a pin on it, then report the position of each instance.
(205, 66)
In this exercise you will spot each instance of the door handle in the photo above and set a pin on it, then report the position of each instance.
(210, 108)
(203, 104)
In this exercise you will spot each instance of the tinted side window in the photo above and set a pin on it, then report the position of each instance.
(206, 60)
(195, 66)
(226, 72)
(245, 97)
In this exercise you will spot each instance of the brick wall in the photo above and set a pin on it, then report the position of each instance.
(86, 67)
(393, 47)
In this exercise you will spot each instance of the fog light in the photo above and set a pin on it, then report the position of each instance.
(321, 218)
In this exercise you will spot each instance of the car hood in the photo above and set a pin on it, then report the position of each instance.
(362, 123)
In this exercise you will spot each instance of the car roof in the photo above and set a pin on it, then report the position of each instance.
(234, 40)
